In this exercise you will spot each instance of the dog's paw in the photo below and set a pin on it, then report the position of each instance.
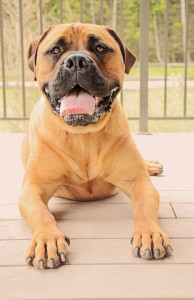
(47, 249)
(154, 167)
(151, 244)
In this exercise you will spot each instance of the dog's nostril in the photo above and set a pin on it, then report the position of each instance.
(82, 63)
(69, 63)
(79, 62)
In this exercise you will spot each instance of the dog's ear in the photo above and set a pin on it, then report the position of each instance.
(32, 51)
(130, 59)
(128, 56)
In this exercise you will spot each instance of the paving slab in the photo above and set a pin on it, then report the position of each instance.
(177, 196)
(112, 228)
(98, 251)
(99, 282)
(175, 152)
(120, 198)
(90, 210)
(184, 210)
(11, 196)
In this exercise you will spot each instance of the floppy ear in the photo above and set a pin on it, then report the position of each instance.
(128, 56)
(130, 59)
(32, 51)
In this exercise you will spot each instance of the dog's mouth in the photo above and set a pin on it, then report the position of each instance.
(79, 107)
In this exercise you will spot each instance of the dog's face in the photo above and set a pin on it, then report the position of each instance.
(80, 69)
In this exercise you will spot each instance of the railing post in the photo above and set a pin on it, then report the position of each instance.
(166, 56)
(144, 60)
(61, 11)
(2, 60)
(122, 37)
(101, 13)
(186, 42)
(40, 17)
(81, 11)
(22, 57)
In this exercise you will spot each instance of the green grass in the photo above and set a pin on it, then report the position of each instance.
(131, 106)
(158, 71)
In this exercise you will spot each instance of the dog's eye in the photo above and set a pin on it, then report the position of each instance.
(100, 48)
(55, 50)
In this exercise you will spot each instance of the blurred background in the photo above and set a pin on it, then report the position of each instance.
(158, 94)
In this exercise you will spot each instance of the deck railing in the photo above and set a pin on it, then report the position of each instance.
(143, 116)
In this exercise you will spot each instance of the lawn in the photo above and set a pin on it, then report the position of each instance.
(158, 71)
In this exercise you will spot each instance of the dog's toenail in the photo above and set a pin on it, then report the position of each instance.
(29, 261)
(62, 257)
(148, 254)
(51, 263)
(157, 253)
(41, 265)
(67, 240)
(136, 252)
(169, 250)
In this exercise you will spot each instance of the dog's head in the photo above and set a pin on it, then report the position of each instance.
(80, 69)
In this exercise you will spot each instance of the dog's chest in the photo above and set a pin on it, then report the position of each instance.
(83, 159)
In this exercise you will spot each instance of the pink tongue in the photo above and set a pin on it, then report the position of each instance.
(77, 102)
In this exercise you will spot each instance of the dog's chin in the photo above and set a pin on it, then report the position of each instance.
(81, 119)
(102, 106)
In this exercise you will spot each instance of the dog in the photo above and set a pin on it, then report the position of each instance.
(79, 145)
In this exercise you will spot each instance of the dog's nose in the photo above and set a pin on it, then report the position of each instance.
(79, 62)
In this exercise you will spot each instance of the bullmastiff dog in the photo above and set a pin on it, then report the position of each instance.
(79, 145)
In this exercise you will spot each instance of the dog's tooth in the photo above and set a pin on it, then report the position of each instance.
(114, 90)
(46, 90)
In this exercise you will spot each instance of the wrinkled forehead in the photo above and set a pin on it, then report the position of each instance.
(77, 33)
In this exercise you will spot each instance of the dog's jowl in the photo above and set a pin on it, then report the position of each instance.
(78, 145)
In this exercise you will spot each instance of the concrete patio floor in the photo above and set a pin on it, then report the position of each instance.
(100, 264)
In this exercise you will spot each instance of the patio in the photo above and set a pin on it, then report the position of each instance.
(100, 264)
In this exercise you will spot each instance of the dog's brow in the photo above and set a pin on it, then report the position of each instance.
(61, 41)
(93, 39)
(58, 43)
(117, 39)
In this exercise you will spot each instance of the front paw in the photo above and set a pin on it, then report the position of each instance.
(48, 248)
(150, 242)
(154, 167)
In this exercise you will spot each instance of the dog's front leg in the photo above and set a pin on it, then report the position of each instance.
(48, 247)
(149, 240)
(130, 175)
